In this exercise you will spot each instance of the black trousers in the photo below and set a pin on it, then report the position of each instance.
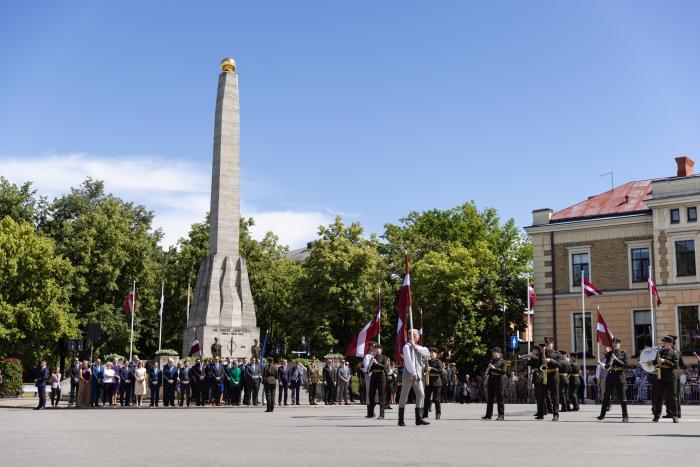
(236, 395)
(312, 393)
(247, 389)
(294, 388)
(73, 391)
(664, 392)
(564, 394)
(284, 389)
(495, 387)
(553, 391)
(185, 393)
(573, 395)
(254, 393)
(329, 393)
(125, 394)
(377, 391)
(270, 396)
(540, 395)
(107, 393)
(155, 396)
(433, 394)
(215, 391)
(613, 383)
(41, 391)
(169, 394)
(55, 396)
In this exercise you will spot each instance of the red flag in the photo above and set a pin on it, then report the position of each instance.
(533, 296)
(654, 291)
(360, 344)
(589, 289)
(402, 308)
(129, 303)
(195, 345)
(604, 334)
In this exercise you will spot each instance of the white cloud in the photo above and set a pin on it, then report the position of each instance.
(177, 191)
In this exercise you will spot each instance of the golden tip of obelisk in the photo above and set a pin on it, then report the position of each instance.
(228, 65)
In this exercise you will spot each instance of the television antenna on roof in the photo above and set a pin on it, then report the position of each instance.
(612, 178)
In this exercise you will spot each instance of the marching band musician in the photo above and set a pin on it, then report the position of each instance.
(615, 363)
(564, 371)
(377, 382)
(678, 372)
(552, 358)
(664, 386)
(496, 384)
(534, 361)
(412, 377)
(574, 383)
(433, 387)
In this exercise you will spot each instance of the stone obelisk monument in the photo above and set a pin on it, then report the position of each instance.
(223, 304)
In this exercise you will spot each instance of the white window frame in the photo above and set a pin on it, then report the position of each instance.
(634, 245)
(589, 331)
(680, 238)
(635, 350)
(676, 326)
(575, 250)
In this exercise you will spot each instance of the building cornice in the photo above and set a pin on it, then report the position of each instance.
(595, 223)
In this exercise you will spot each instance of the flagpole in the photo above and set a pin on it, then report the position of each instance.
(379, 305)
(651, 308)
(583, 325)
(529, 329)
(133, 308)
(420, 336)
(187, 312)
(160, 328)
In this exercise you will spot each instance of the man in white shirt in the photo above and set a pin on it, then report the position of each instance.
(412, 377)
(366, 363)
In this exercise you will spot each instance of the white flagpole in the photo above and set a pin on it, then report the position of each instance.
(133, 308)
(160, 328)
(529, 311)
(651, 308)
(379, 305)
(583, 325)
(187, 311)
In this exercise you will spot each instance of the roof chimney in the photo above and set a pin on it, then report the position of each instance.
(685, 166)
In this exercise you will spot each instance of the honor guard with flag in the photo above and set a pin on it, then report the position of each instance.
(496, 384)
(413, 355)
(664, 385)
(433, 384)
(616, 364)
(377, 369)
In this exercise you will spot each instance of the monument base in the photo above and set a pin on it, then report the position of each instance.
(235, 342)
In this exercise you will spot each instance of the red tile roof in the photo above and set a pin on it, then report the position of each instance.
(611, 202)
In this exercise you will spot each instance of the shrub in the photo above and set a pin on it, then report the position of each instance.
(112, 356)
(167, 352)
(12, 376)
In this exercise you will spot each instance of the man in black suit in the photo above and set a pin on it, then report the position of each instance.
(170, 374)
(40, 380)
(74, 375)
(126, 376)
(329, 375)
(283, 380)
(183, 377)
(155, 376)
(216, 376)
(253, 373)
(245, 380)
(198, 381)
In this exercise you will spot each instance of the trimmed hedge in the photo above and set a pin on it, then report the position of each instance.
(12, 376)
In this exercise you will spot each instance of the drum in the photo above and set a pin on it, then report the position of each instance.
(646, 359)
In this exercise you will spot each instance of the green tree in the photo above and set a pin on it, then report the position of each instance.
(17, 202)
(35, 287)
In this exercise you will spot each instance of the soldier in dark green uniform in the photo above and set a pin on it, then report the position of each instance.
(496, 384)
(377, 382)
(678, 372)
(534, 361)
(564, 371)
(664, 385)
(615, 363)
(552, 359)
(574, 383)
(433, 385)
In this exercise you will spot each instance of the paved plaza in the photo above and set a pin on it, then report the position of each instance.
(296, 436)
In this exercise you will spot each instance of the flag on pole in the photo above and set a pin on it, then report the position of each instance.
(589, 289)
(129, 303)
(654, 291)
(402, 308)
(360, 344)
(604, 334)
(532, 297)
(195, 345)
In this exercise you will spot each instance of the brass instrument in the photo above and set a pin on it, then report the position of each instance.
(543, 366)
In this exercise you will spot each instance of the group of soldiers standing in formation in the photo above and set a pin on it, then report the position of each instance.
(556, 378)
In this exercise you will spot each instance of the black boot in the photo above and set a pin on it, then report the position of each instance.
(419, 419)
(438, 410)
(370, 411)
(401, 413)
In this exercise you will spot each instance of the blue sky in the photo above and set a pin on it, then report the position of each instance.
(365, 109)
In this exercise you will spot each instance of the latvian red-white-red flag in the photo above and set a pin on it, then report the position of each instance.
(402, 308)
(604, 334)
(654, 291)
(589, 289)
(195, 345)
(129, 303)
(360, 344)
(532, 297)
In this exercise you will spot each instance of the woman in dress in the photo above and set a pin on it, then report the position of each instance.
(83, 399)
(140, 385)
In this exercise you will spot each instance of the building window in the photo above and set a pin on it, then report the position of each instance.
(685, 258)
(692, 214)
(578, 333)
(579, 263)
(689, 327)
(675, 216)
(640, 264)
(642, 330)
